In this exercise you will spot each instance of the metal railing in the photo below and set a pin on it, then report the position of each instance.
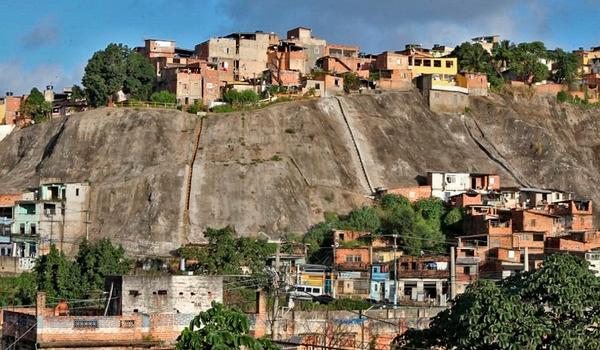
(146, 104)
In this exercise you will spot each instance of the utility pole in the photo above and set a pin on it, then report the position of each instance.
(395, 274)
(452, 274)
(276, 285)
(526, 260)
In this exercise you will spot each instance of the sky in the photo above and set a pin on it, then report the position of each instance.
(49, 42)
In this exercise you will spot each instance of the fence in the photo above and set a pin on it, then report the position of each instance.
(146, 104)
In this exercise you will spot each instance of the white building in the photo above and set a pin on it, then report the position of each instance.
(446, 185)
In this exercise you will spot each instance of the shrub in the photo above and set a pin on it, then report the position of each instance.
(563, 96)
(163, 97)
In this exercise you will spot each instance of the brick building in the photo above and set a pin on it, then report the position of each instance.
(147, 312)
(244, 54)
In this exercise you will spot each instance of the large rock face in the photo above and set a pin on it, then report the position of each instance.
(280, 168)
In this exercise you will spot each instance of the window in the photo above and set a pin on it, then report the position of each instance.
(358, 66)
(341, 236)
(337, 82)
(450, 179)
(77, 192)
(317, 86)
(511, 254)
(467, 270)
(135, 293)
(418, 61)
(449, 64)
(162, 292)
(437, 63)
(32, 229)
(427, 63)
(315, 290)
(410, 61)
(538, 237)
(22, 229)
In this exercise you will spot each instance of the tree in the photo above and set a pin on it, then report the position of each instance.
(472, 58)
(351, 82)
(19, 290)
(566, 64)
(554, 307)
(363, 219)
(77, 93)
(226, 254)
(117, 68)
(525, 61)
(57, 276)
(96, 261)
(140, 77)
(163, 96)
(36, 106)
(220, 328)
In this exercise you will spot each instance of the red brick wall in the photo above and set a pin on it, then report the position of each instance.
(9, 199)
(342, 253)
(413, 193)
(549, 89)
(524, 220)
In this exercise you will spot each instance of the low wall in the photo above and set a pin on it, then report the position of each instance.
(445, 101)
(10, 265)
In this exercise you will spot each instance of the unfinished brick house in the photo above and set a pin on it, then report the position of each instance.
(423, 278)
(286, 64)
(197, 81)
(393, 71)
(245, 54)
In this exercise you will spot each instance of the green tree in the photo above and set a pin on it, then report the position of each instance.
(226, 254)
(18, 290)
(117, 68)
(351, 82)
(58, 276)
(163, 96)
(96, 261)
(452, 222)
(36, 107)
(554, 307)
(77, 93)
(566, 66)
(363, 219)
(140, 76)
(525, 61)
(472, 58)
(220, 328)
(319, 239)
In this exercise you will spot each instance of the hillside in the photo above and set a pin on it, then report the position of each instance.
(280, 168)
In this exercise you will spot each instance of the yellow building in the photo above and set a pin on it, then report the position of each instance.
(443, 69)
(586, 57)
(2, 111)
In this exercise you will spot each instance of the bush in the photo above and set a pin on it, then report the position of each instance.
(198, 106)
(244, 97)
(163, 97)
(563, 96)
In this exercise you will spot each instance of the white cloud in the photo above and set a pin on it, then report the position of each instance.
(20, 79)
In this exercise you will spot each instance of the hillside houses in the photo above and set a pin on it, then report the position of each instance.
(505, 230)
(300, 63)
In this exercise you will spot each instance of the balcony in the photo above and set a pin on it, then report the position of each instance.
(439, 274)
(468, 260)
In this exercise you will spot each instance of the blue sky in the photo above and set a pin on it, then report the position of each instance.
(50, 42)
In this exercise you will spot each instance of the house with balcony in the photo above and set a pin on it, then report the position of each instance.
(422, 278)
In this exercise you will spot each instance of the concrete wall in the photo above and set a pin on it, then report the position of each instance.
(170, 294)
(448, 101)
